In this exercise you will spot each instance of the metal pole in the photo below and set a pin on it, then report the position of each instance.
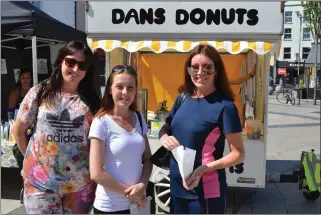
(299, 49)
(34, 60)
(107, 65)
(316, 72)
(274, 69)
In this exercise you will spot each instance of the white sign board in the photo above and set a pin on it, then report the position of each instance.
(252, 172)
(241, 19)
(4, 66)
(42, 66)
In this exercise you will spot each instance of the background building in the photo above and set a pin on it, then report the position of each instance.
(296, 42)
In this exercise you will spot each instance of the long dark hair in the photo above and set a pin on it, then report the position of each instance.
(23, 71)
(86, 86)
(220, 81)
(107, 103)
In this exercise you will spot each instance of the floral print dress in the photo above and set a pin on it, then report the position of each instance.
(57, 156)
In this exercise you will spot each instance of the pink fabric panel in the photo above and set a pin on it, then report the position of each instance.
(211, 184)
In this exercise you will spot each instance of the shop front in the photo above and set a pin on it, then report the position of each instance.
(289, 70)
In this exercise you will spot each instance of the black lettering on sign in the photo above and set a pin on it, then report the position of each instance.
(160, 16)
(253, 18)
(213, 17)
(239, 169)
(197, 16)
(140, 18)
(132, 13)
(146, 16)
(228, 19)
(240, 12)
(117, 16)
(182, 17)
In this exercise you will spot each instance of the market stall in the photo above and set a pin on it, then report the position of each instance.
(156, 37)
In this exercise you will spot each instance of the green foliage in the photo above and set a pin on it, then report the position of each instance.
(312, 14)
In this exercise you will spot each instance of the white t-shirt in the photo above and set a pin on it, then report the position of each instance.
(123, 159)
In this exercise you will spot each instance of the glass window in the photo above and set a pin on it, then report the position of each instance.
(286, 53)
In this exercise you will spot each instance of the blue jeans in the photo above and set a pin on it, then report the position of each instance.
(199, 206)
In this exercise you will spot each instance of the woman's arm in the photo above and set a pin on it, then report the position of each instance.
(97, 172)
(236, 155)
(19, 132)
(165, 130)
(137, 191)
(147, 164)
(244, 78)
(13, 97)
(169, 142)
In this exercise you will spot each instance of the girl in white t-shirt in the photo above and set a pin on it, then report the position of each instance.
(119, 150)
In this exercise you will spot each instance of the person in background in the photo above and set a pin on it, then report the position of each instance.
(237, 81)
(56, 164)
(17, 94)
(119, 148)
(202, 122)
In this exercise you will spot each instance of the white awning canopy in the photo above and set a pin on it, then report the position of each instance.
(260, 48)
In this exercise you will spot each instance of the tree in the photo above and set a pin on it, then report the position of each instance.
(312, 14)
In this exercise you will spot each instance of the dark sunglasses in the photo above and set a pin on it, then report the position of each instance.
(82, 65)
(207, 69)
(123, 67)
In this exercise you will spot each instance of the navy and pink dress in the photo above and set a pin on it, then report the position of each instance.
(201, 124)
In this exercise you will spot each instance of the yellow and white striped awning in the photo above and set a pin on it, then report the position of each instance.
(181, 46)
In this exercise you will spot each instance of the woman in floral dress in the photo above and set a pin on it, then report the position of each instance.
(56, 165)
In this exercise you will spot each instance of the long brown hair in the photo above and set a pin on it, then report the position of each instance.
(86, 86)
(220, 81)
(107, 103)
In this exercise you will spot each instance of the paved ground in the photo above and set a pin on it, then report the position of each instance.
(291, 129)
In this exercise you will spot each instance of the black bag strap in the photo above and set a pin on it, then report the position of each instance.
(182, 98)
(140, 120)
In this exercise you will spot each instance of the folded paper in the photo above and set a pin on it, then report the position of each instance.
(185, 159)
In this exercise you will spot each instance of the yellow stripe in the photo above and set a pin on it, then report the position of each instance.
(156, 46)
(124, 44)
(219, 44)
(203, 42)
(109, 45)
(139, 45)
(94, 44)
(171, 44)
(267, 46)
(252, 45)
(187, 45)
(236, 47)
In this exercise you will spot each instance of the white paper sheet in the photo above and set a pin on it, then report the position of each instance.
(4, 66)
(42, 66)
(185, 159)
(16, 74)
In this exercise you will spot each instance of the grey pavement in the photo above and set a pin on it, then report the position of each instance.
(291, 130)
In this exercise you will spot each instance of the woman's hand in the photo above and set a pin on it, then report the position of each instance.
(141, 203)
(169, 142)
(193, 181)
(135, 192)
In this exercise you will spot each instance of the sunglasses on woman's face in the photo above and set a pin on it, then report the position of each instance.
(123, 67)
(207, 69)
(82, 65)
